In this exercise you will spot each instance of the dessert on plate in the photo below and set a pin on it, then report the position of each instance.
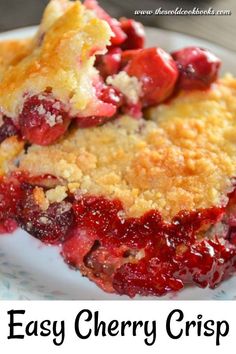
(123, 156)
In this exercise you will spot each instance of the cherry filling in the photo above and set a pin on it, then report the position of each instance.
(159, 74)
(10, 194)
(109, 63)
(135, 34)
(144, 255)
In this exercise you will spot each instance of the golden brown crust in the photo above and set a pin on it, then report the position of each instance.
(183, 158)
(63, 62)
(10, 148)
(12, 52)
(54, 10)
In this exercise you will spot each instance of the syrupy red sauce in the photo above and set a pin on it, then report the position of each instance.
(145, 255)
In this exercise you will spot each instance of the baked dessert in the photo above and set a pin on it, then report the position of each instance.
(143, 203)
(12, 51)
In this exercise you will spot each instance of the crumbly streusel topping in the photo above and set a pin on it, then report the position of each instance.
(184, 157)
(128, 85)
(10, 148)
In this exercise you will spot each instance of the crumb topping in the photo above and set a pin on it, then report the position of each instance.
(12, 52)
(56, 195)
(40, 198)
(53, 119)
(128, 85)
(184, 157)
(10, 148)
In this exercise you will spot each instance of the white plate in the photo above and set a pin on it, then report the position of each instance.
(30, 270)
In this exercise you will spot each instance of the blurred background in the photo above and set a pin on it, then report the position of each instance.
(218, 29)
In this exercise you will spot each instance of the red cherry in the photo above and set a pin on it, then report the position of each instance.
(198, 68)
(135, 34)
(119, 35)
(128, 55)
(43, 120)
(50, 226)
(110, 63)
(109, 96)
(157, 72)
